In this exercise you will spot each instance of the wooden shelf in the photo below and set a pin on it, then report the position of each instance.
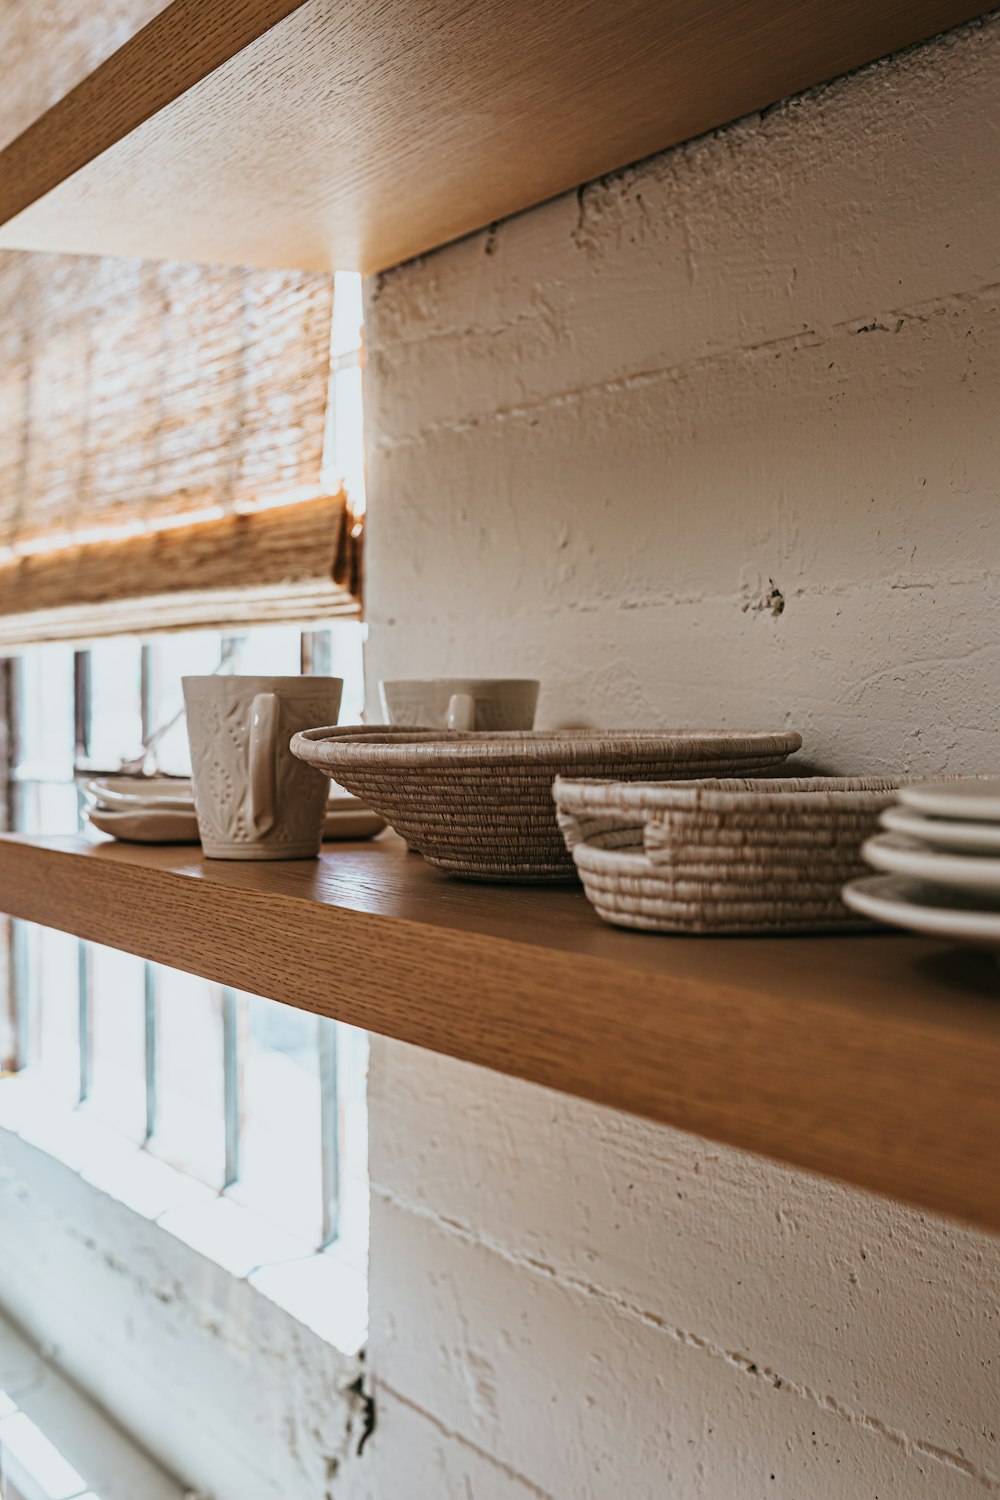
(336, 134)
(875, 1059)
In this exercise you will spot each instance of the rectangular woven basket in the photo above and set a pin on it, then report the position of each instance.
(714, 856)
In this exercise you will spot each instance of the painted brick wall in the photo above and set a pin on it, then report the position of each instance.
(714, 440)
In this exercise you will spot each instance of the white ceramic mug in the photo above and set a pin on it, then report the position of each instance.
(461, 702)
(253, 799)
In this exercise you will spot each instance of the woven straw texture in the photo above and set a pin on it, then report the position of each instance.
(205, 391)
(480, 805)
(722, 856)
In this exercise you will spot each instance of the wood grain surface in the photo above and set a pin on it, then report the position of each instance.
(874, 1059)
(184, 43)
(358, 133)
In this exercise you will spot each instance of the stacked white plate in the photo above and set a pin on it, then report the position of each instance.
(160, 810)
(939, 862)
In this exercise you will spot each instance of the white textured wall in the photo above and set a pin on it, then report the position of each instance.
(604, 439)
(221, 1386)
(573, 1304)
(598, 433)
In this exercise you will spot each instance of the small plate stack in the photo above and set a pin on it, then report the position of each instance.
(939, 859)
(160, 810)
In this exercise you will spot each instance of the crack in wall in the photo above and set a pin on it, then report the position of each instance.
(984, 299)
(697, 599)
(453, 1436)
(365, 1401)
(916, 1448)
(949, 659)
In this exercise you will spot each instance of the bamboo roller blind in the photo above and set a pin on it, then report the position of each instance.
(137, 397)
(139, 392)
(161, 424)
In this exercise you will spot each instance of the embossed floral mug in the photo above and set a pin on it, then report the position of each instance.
(253, 799)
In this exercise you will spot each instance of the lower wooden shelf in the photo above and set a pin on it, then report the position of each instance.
(873, 1059)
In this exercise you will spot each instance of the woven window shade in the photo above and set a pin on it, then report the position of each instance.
(153, 416)
(161, 425)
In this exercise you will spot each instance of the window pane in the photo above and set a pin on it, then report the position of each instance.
(53, 980)
(352, 1089)
(272, 652)
(41, 1471)
(116, 702)
(46, 798)
(280, 1151)
(347, 662)
(189, 1128)
(118, 1040)
(348, 432)
(47, 807)
(46, 711)
(348, 312)
(176, 656)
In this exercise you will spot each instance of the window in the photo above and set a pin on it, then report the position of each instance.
(56, 1445)
(344, 439)
(250, 1099)
(31, 1466)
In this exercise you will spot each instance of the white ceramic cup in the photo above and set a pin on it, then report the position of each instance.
(461, 702)
(253, 799)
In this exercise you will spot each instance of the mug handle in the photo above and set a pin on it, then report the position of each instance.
(264, 713)
(461, 711)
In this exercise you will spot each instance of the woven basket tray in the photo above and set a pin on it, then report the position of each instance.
(480, 805)
(722, 856)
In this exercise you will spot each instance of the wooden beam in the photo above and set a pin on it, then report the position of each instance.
(357, 133)
(874, 1059)
(178, 48)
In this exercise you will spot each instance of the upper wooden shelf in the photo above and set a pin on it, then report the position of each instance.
(341, 134)
(875, 1059)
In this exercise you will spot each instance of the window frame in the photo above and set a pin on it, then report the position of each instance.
(315, 657)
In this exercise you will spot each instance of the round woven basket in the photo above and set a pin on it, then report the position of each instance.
(480, 805)
(722, 856)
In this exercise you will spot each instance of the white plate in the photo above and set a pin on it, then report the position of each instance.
(359, 823)
(976, 797)
(943, 833)
(167, 826)
(965, 872)
(340, 801)
(132, 793)
(151, 826)
(174, 794)
(917, 907)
